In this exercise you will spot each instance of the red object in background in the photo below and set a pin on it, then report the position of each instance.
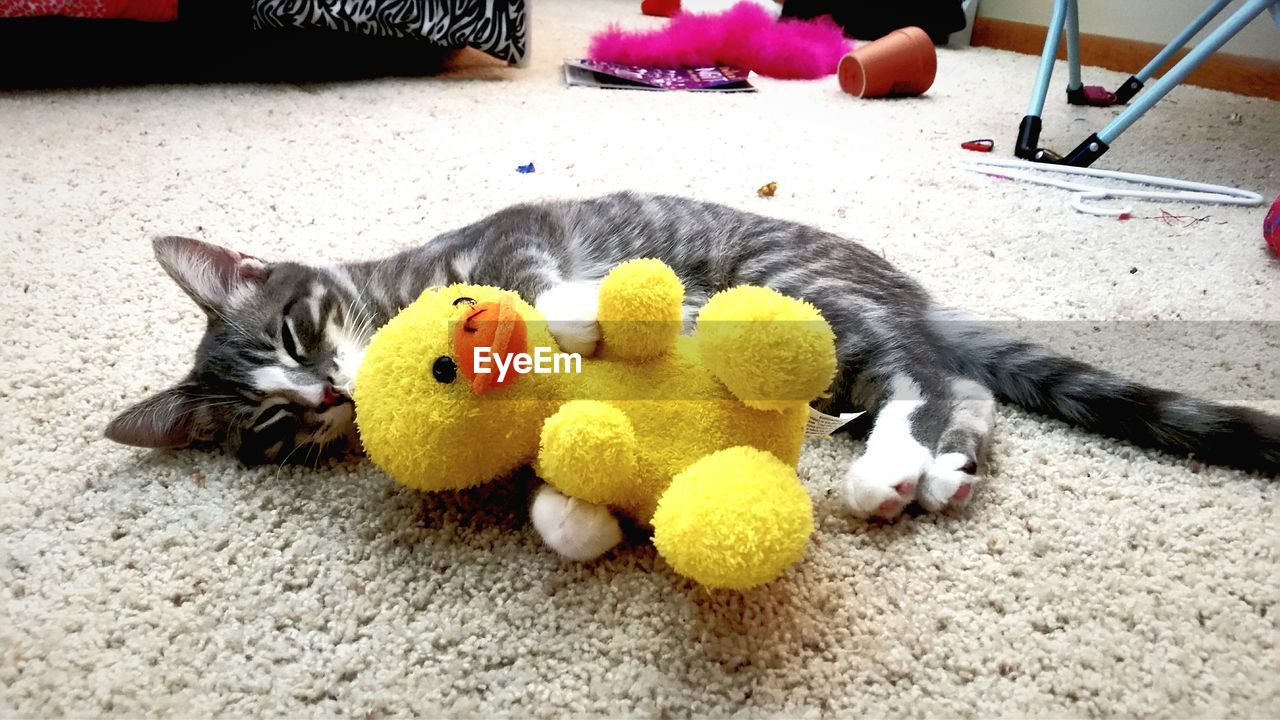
(984, 145)
(146, 10)
(1271, 227)
(660, 8)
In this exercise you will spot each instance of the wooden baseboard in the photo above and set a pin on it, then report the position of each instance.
(1233, 73)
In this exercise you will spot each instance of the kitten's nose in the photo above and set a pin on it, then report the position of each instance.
(330, 396)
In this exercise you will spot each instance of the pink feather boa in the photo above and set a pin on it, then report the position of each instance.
(744, 36)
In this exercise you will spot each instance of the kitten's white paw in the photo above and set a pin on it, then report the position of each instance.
(948, 481)
(572, 312)
(882, 484)
(883, 481)
(576, 529)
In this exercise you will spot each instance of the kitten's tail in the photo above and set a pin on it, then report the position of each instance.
(1043, 381)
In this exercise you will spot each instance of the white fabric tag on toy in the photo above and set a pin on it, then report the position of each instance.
(820, 424)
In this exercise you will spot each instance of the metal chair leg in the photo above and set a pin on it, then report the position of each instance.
(1130, 87)
(1073, 46)
(1029, 129)
(1095, 145)
(1077, 92)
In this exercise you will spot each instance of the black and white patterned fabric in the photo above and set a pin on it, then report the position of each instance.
(497, 27)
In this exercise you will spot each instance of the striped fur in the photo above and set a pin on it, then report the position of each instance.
(1042, 381)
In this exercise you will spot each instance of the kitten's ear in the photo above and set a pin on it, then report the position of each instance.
(168, 419)
(211, 274)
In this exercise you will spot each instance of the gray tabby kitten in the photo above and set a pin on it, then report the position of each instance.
(272, 376)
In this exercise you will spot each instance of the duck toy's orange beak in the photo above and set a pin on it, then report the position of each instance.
(489, 336)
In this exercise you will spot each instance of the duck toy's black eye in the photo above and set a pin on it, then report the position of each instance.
(467, 300)
(444, 370)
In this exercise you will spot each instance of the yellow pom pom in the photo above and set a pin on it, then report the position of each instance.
(734, 519)
(640, 309)
(770, 350)
(588, 451)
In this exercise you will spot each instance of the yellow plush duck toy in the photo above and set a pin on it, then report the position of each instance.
(696, 434)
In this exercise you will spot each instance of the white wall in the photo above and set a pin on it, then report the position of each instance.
(1154, 21)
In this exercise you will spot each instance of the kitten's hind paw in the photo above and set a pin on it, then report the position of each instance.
(882, 485)
(576, 529)
(949, 481)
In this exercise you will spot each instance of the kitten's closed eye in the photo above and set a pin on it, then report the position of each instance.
(288, 340)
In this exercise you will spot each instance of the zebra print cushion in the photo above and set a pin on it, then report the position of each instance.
(497, 27)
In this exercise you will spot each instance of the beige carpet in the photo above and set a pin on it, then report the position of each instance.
(1087, 579)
